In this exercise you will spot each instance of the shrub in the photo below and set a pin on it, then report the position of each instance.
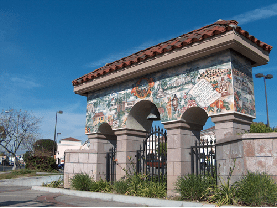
(225, 194)
(260, 128)
(139, 185)
(120, 186)
(152, 189)
(193, 187)
(55, 184)
(101, 186)
(257, 189)
(42, 163)
(82, 182)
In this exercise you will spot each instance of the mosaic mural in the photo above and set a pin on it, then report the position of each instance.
(221, 83)
(244, 100)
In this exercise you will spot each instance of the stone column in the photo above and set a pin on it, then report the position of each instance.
(180, 137)
(100, 144)
(128, 142)
(232, 124)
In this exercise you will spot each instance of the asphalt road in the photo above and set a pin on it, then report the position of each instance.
(5, 168)
(23, 196)
(9, 168)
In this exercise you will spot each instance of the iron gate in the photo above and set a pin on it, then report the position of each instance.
(151, 158)
(203, 157)
(110, 165)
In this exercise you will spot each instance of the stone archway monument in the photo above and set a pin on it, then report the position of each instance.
(204, 73)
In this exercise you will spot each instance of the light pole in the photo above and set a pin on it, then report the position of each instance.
(268, 76)
(55, 134)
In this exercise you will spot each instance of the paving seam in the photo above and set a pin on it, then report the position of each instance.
(51, 198)
(123, 198)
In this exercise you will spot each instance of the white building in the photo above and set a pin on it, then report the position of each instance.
(68, 143)
(207, 137)
(208, 134)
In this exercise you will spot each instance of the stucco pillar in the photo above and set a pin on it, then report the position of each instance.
(128, 142)
(232, 124)
(100, 144)
(180, 137)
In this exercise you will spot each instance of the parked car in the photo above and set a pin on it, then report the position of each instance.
(153, 161)
(61, 166)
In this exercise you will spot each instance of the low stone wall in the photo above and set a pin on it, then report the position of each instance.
(254, 152)
(80, 161)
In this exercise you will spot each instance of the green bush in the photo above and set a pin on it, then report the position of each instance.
(41, 163)
(120, 186)
(194, 187)
(260, 128)
(55, 184)
(139, 185)
(225, 194)
(152, 190)
(101, 186)
(82, 182)
(257, 189)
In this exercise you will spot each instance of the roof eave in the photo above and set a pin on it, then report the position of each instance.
(228, 40)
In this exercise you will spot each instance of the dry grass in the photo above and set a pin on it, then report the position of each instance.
(19, 174)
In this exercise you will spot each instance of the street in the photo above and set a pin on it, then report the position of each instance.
(9, 168)
(5, 168)
(23, 196)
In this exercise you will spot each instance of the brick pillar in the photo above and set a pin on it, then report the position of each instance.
(128, 142)
(180, 137)
(100, 144)
(232, 124)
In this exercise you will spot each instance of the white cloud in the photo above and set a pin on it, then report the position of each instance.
(24, 82)
(257, 14)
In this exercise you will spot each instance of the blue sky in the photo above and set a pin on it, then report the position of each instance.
(45, 45)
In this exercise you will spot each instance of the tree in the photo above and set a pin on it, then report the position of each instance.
(44, 147)
(21, 129)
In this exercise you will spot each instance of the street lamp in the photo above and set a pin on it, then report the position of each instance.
(268, 76)
(55, 134)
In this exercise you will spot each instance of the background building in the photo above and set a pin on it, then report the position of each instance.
(68, 143)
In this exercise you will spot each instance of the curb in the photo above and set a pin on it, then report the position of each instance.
(122, 198)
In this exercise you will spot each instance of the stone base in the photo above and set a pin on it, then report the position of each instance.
(231, 124)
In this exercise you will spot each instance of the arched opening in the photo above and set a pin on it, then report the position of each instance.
(195, 115)
(105, 128)
(137, 119)
(209, 124)
(111, 138)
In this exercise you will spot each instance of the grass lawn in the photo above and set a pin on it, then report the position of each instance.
(22, 173)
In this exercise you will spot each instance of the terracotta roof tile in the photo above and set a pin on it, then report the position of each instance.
(71, 139)
(219, 27)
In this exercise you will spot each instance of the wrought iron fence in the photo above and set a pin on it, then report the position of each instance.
(111, 165)
(151, 158)
(203, 157)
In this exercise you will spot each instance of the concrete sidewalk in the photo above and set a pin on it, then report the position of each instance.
(142, 201)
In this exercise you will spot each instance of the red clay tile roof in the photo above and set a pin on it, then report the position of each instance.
(219, 27)
(71, 139)
(98, 115)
